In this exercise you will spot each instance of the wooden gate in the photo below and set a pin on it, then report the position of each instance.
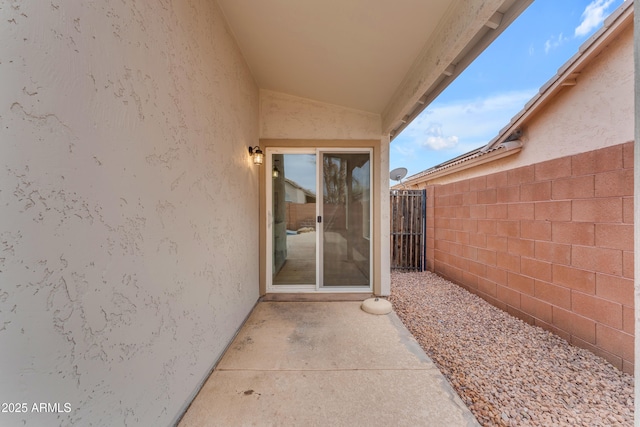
(408, 230)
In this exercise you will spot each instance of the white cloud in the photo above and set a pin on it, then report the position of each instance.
(446, 130)
(404, 150)
(462, 124)
(436, 140)
(592, 16)
(554, 42)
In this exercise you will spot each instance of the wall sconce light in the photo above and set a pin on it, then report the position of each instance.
(276, 172)
(257, 154)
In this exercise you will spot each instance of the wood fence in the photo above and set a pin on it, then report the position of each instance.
(408, 230)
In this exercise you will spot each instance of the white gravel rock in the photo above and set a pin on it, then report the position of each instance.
(509, 373)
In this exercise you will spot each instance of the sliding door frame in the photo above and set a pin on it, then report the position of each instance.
(318, 286)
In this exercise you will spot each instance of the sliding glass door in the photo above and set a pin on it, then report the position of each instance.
(293, 214)
(345, 214)
(318, 240)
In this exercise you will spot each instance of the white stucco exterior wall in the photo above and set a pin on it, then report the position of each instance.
(596, 113)
(284, 116)
(636, 201)
(128, 206)
(385, 219)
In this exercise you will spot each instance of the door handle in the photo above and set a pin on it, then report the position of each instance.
(319, 218)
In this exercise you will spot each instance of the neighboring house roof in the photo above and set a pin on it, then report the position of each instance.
(385, 57)
(508, 141)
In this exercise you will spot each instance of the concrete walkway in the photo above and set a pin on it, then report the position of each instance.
(325, 364)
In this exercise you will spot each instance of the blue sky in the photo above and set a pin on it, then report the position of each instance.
(497, 85)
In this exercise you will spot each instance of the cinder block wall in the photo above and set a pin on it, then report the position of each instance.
(550, 243)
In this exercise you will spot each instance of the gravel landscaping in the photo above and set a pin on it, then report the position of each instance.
(508, 372)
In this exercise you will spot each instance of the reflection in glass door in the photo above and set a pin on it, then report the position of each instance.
(346, 221)
(293, 211)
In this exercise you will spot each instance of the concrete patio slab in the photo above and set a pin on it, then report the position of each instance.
(325, 363)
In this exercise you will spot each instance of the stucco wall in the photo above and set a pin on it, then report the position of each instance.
(636, 162)
(128, 206)
(284, 116)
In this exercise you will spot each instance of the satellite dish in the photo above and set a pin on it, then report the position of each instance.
(398, 173)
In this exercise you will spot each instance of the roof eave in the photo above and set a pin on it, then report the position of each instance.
(507, 149)
(395, 121)
(569, 72)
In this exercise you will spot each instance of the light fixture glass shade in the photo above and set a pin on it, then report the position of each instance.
(258, 157)
(275, 173)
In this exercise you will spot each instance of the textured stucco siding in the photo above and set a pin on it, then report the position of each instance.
(284, 116)
(636, 196)
(128, 206)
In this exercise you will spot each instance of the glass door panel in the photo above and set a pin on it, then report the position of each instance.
(346, 222)
(293, 213)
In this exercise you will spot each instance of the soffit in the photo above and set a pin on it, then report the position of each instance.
(388, 57)
(352, 53)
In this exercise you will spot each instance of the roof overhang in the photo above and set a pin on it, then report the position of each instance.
(390, 58)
